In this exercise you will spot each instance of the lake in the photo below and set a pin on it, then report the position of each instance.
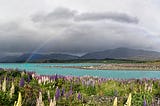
(48, 69)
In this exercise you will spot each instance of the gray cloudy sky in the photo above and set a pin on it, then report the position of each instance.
(78, 26)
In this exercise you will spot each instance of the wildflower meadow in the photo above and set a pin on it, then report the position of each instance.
(21, 88)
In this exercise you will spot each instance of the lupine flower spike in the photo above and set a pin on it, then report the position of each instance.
(63, 91)
(21, 83)
(48, 93)
(52, 103)
(15, 103)
(57, 93)
(79, 96)
(4, 85)
(19, 103)
(128, 103)
(144, 102)
(39, 100)
(12, 90)
(22, 74)
(115, 102)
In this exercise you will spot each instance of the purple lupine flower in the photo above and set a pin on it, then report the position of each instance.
(21, 84)
(79, 96)
(57, 93)
(70, 92)
(67, 95)
(29, 78)
(63, 91)
(56, 77)
(144, 102)
(52, 77)
(71, 86)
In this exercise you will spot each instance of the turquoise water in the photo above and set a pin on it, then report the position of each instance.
(46, 69)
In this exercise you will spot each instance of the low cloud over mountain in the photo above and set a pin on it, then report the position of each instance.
(76, 31)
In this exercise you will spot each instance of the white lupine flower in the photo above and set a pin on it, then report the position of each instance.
(145, 86)
(150, 88)
(40, 96)
(128, 103)
(115, 102)
(39, 81)
(39, 100)
(52, 102)
(15, 103)
(4, 85)
(48, 93)
(19, 103)
(43, 82)
(33, 75)
(12, 90)
(22, 74)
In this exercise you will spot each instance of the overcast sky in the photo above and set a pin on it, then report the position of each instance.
(78, 26)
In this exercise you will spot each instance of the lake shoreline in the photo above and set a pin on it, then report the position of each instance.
(120, 67)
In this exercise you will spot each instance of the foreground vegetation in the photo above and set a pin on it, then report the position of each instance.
(29, 89)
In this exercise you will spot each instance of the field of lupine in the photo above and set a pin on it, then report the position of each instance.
(21, 88)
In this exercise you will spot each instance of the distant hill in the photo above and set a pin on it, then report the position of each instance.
(38, 57)
(9, 59)
(123, 53)
(118, 53)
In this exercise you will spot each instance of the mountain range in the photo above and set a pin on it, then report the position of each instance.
(118, 53)
(123, 53)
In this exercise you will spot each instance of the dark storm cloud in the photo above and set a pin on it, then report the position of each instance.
(67, 14)
(15, 38)
(120, 17)
(57, 14)
(65, 30)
